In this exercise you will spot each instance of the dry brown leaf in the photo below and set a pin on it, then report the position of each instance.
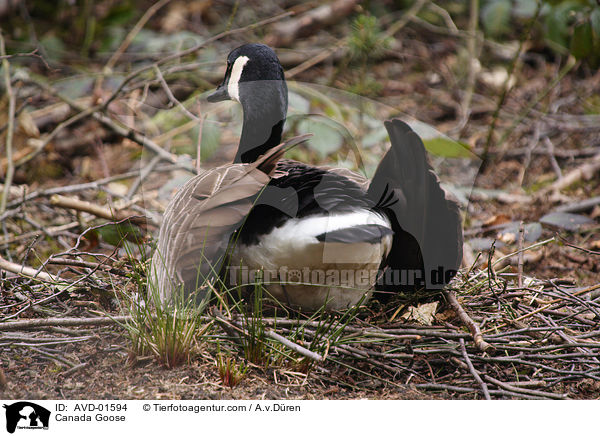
(27, 125)
(497, 220)
(422, 314)
(508, 237)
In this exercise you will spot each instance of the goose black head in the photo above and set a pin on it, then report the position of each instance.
(254, 77)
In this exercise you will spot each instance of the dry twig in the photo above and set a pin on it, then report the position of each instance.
(466, 319)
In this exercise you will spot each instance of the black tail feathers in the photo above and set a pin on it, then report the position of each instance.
(426, 223)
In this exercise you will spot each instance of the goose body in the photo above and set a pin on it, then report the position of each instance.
(321, 236)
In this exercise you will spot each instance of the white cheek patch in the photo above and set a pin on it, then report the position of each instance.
(233, 88)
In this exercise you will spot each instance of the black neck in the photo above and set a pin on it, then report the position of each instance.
(264, 103)
(258, 136)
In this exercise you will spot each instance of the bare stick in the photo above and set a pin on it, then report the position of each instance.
(583, 172)
(125, 132)
(191, 50)
(314, 60)
(292, 346)
(170, 95)
(50, 231)
(473, 61)
(10, 169)
(199, 140)
(309, 22)
(520, 249)
(86, 206)
(133, 32)
(74, 369)
(547, 306)
(26, 271)
(512, 388)
(127, 42)
(62, 322)
(551, 155)
(405, 18)
(84, 264)
(272, 335)
(143, 173)
(466, 319)
(51, 356)
(578, 206)
(41, 144)
(473, 371)
(84, 186)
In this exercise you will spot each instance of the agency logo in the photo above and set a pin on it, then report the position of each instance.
(26, 415)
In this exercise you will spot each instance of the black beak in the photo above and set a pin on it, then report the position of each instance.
(219, 94)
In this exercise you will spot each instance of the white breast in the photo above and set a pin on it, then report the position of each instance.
(292, 253)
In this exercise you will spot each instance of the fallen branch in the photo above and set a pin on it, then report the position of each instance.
(584, 172)
(133, 32)
(62, 322)
(50, 231)
(292, 346)
(283, 34)
(579, 206)
(26, 271)
(466, 320)
(238, 327)
(85, 186)
(520, 390)
(94, 209)
(8, 143)
(473, 371)
(84, 264)
(170, 95)
(125, 132)
(190, 51)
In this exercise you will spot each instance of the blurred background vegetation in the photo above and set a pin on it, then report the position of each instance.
(90, 30)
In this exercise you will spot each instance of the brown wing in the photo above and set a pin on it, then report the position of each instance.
(202, 216)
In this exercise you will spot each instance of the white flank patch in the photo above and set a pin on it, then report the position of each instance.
(293, 247)
(313, 226)
(233, 88)
(296, 240)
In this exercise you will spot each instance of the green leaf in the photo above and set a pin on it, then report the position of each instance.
(54, 46)
(115, 234)
(327, 138)
(447, 147)
(595, 22)
(582, 42)
(120, 14)
(211, 139)
(525, 8)
(558, 22)
(496, 17)
(297, 103)
(374, 136)
(76, 86)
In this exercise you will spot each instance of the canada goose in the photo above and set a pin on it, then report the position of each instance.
(330, 227)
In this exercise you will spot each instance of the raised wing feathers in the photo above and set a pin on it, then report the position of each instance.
(201, 218)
